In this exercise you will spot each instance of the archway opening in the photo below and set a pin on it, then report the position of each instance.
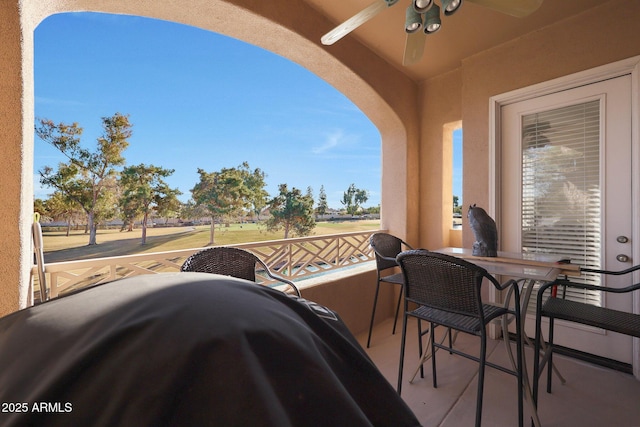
(194, 102)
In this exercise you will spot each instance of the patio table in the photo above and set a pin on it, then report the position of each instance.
(529, 268)
(522, 265)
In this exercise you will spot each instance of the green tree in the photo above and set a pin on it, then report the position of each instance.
(372, 210)
(353, 198)
(191, 210)
(255, 183)
(291, 211)
(129, 212)
(322, 206)
(143, 191)
(60, 207)
(456, 205)
(88, 176)
(106, 207)
(221, 193)
(169, 207)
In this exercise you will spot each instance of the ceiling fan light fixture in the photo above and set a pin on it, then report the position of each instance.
(432, 21)
(451, 6)
(413, 20)
(421, 6)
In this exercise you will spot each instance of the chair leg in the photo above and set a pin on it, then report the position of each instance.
(550, 359)
(537, 347)
(520, 370)
(433, 355)
(483, 355)
(420, 334)
(397, 311)
(402, 344)
(373, 313)
(424, 354)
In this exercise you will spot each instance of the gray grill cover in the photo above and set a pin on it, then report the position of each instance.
(188, 349)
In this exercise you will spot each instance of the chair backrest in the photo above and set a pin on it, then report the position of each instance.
(386, 248)
(228, 261)
(443, 282)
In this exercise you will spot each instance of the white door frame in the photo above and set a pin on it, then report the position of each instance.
(616, 69)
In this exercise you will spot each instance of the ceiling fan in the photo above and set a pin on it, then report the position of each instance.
(423, 18)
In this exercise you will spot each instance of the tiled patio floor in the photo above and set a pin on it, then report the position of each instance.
(592, 396)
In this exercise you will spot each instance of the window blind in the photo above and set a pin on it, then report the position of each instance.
(561, 195)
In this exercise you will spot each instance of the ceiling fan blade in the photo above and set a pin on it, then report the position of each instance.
(413, 48)
(517, 8)
(354, 22)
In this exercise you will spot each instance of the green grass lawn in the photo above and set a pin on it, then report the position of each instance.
(58, 247)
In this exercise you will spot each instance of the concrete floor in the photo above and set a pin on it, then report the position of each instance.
(591, 396)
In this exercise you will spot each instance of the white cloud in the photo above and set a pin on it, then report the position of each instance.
(41, 100)
(332, 140)
(338, 139)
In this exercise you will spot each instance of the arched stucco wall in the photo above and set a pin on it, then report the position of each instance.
(286, 27)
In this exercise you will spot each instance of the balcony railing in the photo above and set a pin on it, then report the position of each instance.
(294, 259)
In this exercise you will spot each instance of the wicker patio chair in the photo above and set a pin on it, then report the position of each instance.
(386, 247)
(230, 261)
(447, 292)
(557, 307)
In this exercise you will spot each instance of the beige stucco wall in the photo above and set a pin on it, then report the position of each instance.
(600, 36)
(350, 294)
(441, 105)
(16, 126)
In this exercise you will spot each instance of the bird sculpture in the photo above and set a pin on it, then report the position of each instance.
(484, 228)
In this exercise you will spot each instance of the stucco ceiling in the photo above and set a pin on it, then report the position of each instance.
(472, 29)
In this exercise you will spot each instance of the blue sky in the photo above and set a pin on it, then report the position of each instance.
(198, 99)
(456, 181)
